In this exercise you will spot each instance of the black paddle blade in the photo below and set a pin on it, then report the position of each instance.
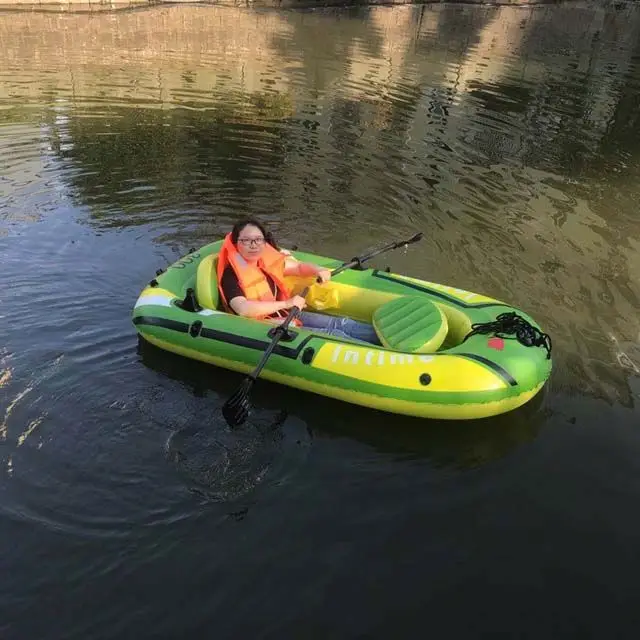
(236, 409)
(415, 238)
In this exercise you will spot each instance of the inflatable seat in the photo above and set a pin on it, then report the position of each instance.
(207, 292)
(411, 324)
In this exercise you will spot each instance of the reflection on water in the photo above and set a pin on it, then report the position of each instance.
(509, 135)
(444, 443)
(506, 128)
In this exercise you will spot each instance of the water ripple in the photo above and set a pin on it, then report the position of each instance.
(509, 135)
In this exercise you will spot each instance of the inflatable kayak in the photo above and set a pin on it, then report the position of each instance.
(447, 353)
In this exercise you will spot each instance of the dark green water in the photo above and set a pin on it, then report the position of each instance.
(509, 135)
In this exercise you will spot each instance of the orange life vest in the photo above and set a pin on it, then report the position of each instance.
(252, 277)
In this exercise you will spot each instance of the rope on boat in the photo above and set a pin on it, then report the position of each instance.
(508, 324)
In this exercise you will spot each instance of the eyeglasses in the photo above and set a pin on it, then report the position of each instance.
(257, 242)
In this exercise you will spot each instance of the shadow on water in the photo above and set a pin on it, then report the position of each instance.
(216, 462)
(445, 443)
(225, 467)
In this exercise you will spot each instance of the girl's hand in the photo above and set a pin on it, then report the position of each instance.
(297, 301)
(324, 275)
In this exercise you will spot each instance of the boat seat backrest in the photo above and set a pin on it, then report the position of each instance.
(207, 292)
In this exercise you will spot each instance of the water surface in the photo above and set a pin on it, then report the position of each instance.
(509, 135)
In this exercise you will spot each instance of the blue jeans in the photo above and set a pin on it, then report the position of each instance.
(339, 327)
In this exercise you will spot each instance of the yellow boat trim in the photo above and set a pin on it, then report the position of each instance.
(156, 291)
(421, 410)
(403, 370)
(468, 297)
(338, 298)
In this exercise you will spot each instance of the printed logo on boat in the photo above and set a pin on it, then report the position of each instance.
(345, 355)
(184, 261)
(404, 370)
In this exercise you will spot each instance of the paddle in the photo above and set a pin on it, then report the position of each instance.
(236, 409)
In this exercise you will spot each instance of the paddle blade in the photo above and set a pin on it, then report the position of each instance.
(415, 238)
(236, 409)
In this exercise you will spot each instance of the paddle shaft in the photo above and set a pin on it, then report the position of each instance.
(280, 331)
(392, 245)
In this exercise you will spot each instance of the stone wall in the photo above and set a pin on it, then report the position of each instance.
(115, 5)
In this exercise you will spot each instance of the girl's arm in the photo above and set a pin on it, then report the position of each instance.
(256, 309)
(305, 269)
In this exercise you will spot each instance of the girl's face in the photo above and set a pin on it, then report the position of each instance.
(250, 243)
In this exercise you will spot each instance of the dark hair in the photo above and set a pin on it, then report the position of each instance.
(240, 225)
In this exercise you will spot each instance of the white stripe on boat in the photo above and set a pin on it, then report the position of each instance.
(158, 301)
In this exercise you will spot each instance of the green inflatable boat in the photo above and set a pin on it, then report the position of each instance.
(447, 353)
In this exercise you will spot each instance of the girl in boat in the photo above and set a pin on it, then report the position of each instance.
(251, 278)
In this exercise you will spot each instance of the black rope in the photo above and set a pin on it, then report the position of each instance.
(508, 324)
